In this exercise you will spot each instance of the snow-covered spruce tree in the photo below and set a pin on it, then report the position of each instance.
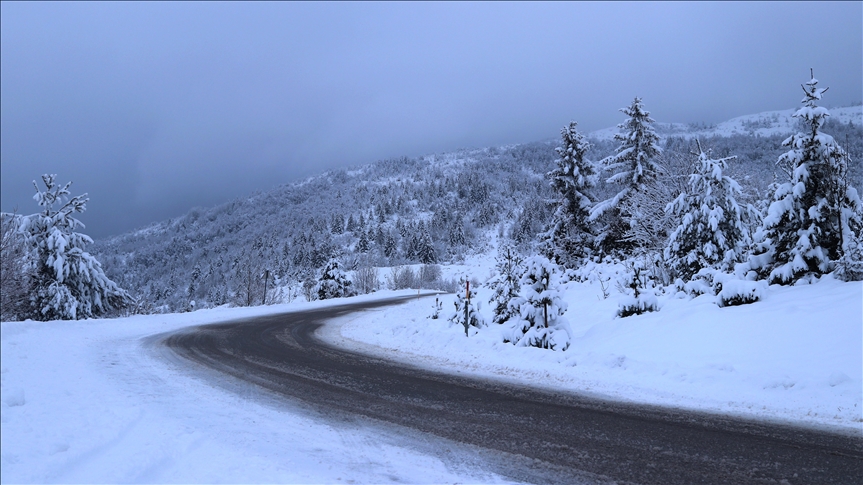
(425, 251)
(334, 283)
(634, 166)
(569, 237)
(711, 232)
(68, 283)
(467, 300)
(456, 232)
(505, 283)
(813, 219)
(539, 322)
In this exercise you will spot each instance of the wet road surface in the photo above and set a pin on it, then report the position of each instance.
(540, 436)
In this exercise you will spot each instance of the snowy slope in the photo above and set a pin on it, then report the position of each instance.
(91, 402)
(795, 357)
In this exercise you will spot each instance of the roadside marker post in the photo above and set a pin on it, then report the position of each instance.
(466, 306)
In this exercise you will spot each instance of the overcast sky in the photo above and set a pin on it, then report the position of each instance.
(154, 108)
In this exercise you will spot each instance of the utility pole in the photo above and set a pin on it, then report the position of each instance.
(266, 280)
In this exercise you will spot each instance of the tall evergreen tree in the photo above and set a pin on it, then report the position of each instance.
(362, 243)
(711, 232)
(456, 232)
(634, 166)
(569, 237)
(425, 247)
(816, 215)
(69, 283)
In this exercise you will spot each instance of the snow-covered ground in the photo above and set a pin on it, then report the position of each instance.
(91, 402)
(796, 356)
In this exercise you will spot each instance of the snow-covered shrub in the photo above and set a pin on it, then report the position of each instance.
(436, 309)
(701, 283)
(69, 283)
(309, 285)
(850, 265)
(334, 283)
(15, 272)
(629, 305)
(539, 322)
(429, 276)
(467, 305)
(732, 292)
(636, 285)
(401, 277)
(366, 279)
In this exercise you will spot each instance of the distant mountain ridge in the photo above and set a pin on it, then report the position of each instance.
(766, 123)
(435, 208)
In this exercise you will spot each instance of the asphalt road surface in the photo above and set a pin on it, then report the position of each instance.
(538, 436)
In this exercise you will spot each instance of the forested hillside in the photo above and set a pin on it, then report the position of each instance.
(432, 209)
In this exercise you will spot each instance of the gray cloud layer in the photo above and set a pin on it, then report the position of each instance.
(155, 108)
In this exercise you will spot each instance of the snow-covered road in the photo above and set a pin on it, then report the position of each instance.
(90, 402)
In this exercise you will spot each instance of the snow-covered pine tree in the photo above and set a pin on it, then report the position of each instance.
(711, 232)
(334, 283)
(456, 232)
(390, 246)
(505, 283)
(69, 283)
(814, 218)
(569, 237)
(539, 322)
(426, 253)
(362, 243)
(474, 317)
(338, 223)
(634, 166)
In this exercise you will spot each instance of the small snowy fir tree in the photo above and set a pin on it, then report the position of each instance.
(815, 218)
(634, 166)
(636, 285)
(465, 299)
(711, 232)
(69, 283)
(569, 237)
(540, 321)
(334, 283)
(505, 283)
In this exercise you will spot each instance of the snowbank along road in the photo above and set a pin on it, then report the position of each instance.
(534, 435)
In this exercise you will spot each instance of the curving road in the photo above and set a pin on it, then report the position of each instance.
(536, 435)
